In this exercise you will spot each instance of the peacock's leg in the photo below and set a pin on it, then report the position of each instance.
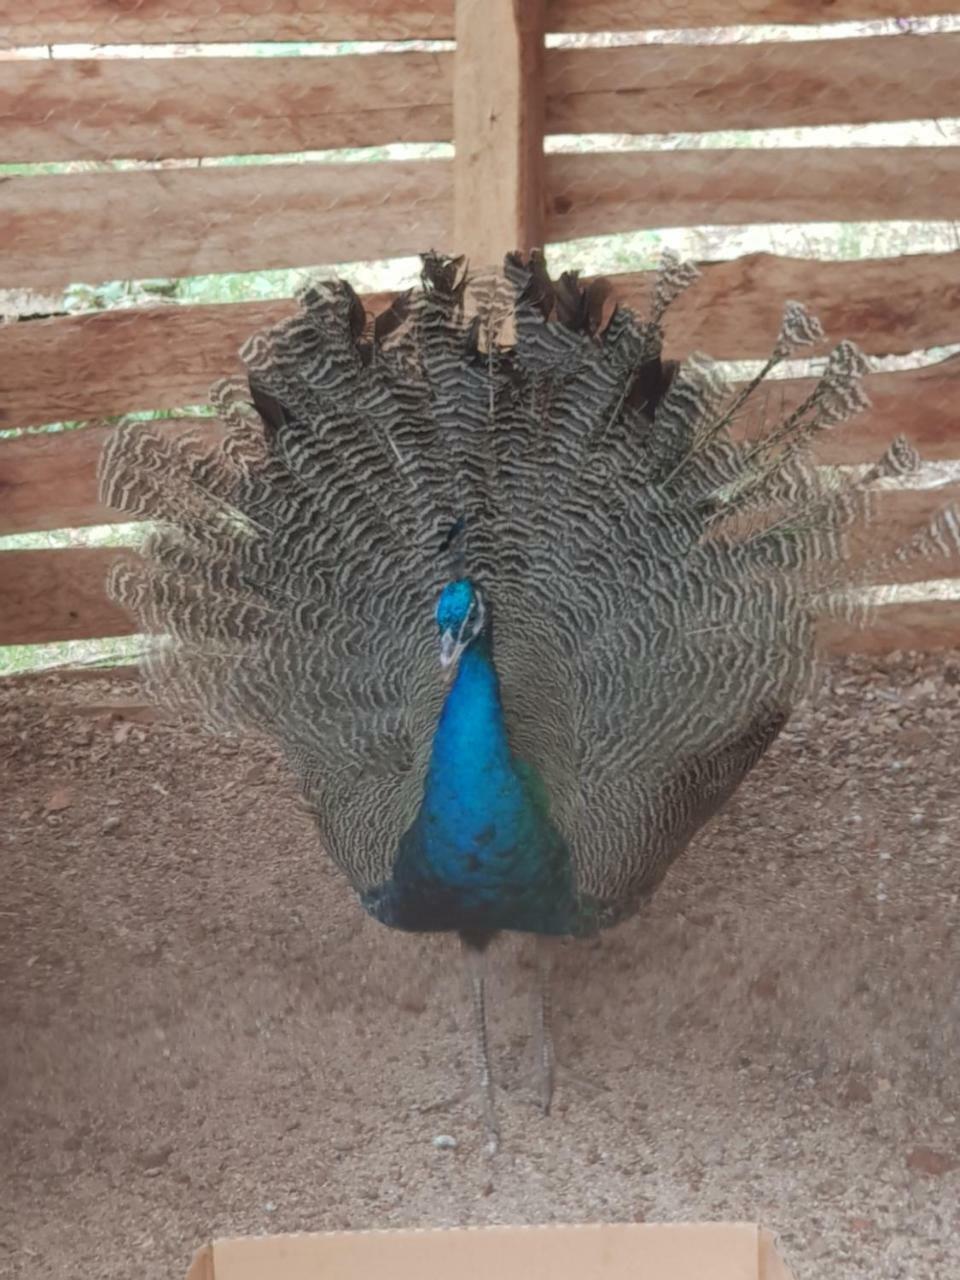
(547, 1069)
(474, 955)
(542, 1035)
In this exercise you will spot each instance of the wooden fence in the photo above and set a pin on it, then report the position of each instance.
(495, 96)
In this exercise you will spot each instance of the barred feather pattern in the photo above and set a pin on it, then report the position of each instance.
(656, 585)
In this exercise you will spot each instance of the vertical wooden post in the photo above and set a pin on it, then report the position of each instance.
(498, 122)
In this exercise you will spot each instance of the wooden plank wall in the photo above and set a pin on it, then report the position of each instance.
(179, 217)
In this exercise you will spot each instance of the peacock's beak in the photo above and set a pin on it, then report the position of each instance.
(451, 647)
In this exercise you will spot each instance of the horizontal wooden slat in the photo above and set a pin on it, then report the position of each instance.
(58, 595)
(635, 15)
(926, 625)
(112, 362)
(678, 88)
(121, 361)
(82, 21)
(929, 626)
(180, 222)
(48, 481)
(595, 194)
(160, 108)
(212, 21)
(47, 682)
(888, 306)
(901, 513)
(920, 404)
(102, 109)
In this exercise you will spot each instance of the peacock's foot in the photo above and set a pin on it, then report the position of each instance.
(491, 1133)
(491, 1127)
(441, 1104)
(543, 1084)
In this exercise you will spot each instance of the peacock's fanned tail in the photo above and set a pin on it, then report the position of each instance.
(658, 546)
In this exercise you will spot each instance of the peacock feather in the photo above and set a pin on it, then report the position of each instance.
(520, 610)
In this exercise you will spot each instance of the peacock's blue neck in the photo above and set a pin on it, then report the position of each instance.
(482, 854)
(473, 795)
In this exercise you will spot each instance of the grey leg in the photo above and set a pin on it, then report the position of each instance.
(542, 1037)
(546, 1068)
(475, 968)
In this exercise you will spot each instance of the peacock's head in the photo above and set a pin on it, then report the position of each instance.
(461, 617)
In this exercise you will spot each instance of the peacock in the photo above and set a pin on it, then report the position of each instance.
(521, 600)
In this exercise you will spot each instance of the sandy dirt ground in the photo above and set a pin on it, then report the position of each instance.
(203, 1034)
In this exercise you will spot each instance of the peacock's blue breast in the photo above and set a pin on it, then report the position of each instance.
(482, 853)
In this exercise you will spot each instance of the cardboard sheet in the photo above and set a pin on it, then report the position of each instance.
(614, 1251)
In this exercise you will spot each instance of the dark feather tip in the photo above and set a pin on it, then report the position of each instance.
(538, 290)
(356, 313)
(651, 384)
(599, 305)
(392, 318)
(446, 277)
(273, 414)
(570, 306)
